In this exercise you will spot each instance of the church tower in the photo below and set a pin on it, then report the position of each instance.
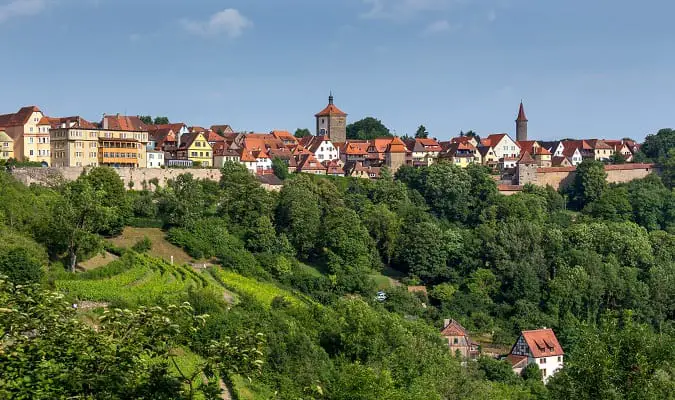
(521, 124)
(332, 122)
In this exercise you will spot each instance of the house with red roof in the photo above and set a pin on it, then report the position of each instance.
(461, 154)
(505, 148)
(540, 347)
(286, 137)
(308, 164)
(29, 130)
(222, 153)
(322, 147)
(459, 341)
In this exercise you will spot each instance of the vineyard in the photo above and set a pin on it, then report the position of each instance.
(137, 279)
(263, 292)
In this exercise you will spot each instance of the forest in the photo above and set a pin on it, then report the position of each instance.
(279, 302)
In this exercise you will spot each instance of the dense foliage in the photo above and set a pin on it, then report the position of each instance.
(301, 267)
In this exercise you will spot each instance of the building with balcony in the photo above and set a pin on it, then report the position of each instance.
(78, 143)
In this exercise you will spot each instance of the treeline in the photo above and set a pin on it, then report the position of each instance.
(595, 262)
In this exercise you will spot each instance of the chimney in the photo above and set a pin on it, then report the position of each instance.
(446, 322)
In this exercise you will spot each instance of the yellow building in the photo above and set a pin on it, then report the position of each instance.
(78, 143)
(194, 147)
(29, 130)
(6, 146)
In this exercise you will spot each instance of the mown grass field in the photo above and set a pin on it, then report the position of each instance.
(160, 247)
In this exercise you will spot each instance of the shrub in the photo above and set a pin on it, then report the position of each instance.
(142, 245)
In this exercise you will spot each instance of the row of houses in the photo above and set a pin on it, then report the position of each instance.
(127, 141)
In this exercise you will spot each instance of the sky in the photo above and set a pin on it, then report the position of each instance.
(584, 68)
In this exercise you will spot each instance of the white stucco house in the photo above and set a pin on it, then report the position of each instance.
(539, 347)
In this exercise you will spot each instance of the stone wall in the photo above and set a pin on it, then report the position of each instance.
(135, 175)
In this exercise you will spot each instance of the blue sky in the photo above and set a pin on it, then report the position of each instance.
(598, 68)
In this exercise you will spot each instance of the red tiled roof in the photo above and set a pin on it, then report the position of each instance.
(75, 121)
(222, 128)
(454, 329)
(330, 109)
(354, 148)
(521, 113)
(540, 151)
(212, 136)
(517, 361)
(123, 123)
(246, 156)
(543, 343)
(527, 145)
(493, 140)
(176, 127)
(308, 162)
(396, 146)
(598, 144)
(560, 161)
(19, 118)
(526, 158)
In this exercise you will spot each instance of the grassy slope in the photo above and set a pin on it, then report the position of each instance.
(160, 247)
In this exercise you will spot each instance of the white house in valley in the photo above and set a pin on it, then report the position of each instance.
(539, 347)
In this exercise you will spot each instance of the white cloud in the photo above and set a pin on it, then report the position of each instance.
(21, 8)
(229, 22)
(437, 27)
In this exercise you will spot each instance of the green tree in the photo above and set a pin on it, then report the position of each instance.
(21, 259)
(280, 168)
(130, 354)
(367, 128)
(668, 169)
(657, 146)
(161, 120)
(421, 132)
(107, 181)
(76, 220)
(617, 158)
(146, 119)
(423, 250)
(384, 227)
(298, 213)
(590, 181)
(302, 132)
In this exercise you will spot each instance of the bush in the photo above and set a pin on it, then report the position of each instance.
(137, 222)
(20, 266)
(142, 245)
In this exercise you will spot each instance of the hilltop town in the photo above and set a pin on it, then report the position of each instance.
(123, 141)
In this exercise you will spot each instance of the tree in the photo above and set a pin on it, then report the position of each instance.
(146, 119)
(107, 181)
(21, 259)
(421, 133)
(590, 181)
(76, 220)
(298, 214)
(471, 134)
(130, 354)
(280, 168)
(617, 158)
(242, 199)
(668, 169)
(384, 226)
(657, 146)
(302, 132)
(367, 128)
(161, 120)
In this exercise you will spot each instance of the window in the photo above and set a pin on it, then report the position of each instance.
(201, 154)
(559, 359)
(544, 371)
(30, 152)
(455, 341)
(542, 360)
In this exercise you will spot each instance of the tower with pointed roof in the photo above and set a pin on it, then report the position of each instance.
(332, 122)
(521, 124)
